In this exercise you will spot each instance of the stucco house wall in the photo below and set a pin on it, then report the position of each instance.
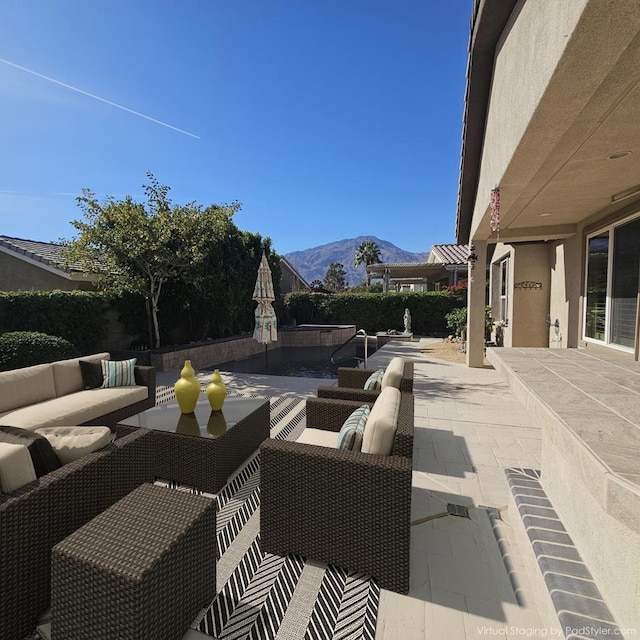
(17, 274)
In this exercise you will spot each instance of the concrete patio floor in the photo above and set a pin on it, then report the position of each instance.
(469, 428)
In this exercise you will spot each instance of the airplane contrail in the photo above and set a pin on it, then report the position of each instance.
(91, 95)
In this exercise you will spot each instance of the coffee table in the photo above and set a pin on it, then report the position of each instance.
(202, 449)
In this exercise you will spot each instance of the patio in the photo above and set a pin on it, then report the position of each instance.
(474, 576)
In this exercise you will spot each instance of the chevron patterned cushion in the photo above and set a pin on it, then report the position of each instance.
(352, 432)
(118, 373)
(374, 381)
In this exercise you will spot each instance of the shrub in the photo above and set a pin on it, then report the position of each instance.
(26, 348)
(375, 311)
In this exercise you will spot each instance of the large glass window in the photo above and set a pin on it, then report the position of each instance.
(504, 289)
(597, 269)
(613, 275)
(626, 263)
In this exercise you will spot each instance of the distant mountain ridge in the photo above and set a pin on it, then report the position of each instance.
(312, 264)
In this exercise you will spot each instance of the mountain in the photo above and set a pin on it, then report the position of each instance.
(312, 264)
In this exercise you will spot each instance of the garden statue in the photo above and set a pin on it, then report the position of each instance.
(407, 321)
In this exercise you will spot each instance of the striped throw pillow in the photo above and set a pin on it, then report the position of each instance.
(374, 381)
(118, 373)
(352, 432)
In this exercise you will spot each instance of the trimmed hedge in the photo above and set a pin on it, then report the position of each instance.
(26, 348)
(376, 311)
(77, 316)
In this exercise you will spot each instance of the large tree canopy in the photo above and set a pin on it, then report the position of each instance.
(140, 247)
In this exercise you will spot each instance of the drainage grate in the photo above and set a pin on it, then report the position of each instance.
(457, 510)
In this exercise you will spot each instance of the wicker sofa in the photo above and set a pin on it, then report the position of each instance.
(351, 383)
(38, 515)
(337, 506)
(54, 394)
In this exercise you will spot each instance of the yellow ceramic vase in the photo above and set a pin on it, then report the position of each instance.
(187, 388)
(216, 391)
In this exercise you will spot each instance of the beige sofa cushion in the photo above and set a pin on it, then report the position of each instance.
(393, 373)
(71, 443)
(321, 437)
(67, 375)
(381, 425)
(22, 387)
(16, 466)
(76, 408)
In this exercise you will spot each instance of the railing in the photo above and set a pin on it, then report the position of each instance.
(357, 359)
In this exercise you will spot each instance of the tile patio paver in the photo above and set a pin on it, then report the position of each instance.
(469, 427)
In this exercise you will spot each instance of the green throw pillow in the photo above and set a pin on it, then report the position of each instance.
(352, 432)
(374, 381)
(118, 373)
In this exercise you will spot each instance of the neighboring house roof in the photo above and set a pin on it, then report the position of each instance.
(294, 272)
(47, 254)
(449, 253)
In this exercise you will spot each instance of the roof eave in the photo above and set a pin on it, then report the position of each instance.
(487, 24)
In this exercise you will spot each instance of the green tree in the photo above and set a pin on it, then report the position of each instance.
(335, 278)
(368, 253)
(139, 247)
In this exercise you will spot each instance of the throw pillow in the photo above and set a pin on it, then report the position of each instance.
(43, 458)
(352, 432)
(118, 373)
(374, 381)
(71, 443)
(91, 371)
(16, 467)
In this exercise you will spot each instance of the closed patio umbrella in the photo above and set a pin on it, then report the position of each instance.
(266, 329)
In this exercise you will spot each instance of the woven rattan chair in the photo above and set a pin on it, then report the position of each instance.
(38, 515)
(340, 507)
(351, 384)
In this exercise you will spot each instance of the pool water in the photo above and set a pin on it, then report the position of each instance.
(298, 362)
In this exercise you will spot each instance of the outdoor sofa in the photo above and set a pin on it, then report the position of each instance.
(351, 381)
(338, 506)
(38, 515)
(56, 394)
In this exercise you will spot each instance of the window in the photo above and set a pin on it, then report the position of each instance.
(613, 273)
(504, 289)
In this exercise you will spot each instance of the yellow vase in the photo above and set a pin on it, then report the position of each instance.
(187, 388)
(216, 391)
(216, 425)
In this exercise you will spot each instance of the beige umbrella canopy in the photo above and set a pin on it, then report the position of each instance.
(266, 329)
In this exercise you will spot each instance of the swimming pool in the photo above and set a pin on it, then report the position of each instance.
(298, 362)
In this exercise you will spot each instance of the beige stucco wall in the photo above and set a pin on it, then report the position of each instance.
(20, 275)
(526, 57)
(527, 309)
(530, 307)
(567, 267)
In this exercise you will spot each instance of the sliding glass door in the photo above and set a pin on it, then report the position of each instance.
(612, 281)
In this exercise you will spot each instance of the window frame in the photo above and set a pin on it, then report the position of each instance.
(610, 231)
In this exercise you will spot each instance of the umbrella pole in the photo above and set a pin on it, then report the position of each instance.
(266, 358)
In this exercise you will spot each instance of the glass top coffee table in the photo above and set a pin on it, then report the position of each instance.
(202, 449)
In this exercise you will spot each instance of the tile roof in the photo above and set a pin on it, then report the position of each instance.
(46, 252)
(451, 253)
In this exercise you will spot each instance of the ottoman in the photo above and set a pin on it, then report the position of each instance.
(143, 569)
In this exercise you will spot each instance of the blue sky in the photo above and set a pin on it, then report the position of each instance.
(327, 119)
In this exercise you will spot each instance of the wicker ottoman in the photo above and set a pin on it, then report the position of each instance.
(143, 569)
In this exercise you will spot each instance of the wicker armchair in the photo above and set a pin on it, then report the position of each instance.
(341, 507)
(351, 382)
(38, 515)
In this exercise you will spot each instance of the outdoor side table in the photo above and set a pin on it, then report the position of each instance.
(141, 570)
